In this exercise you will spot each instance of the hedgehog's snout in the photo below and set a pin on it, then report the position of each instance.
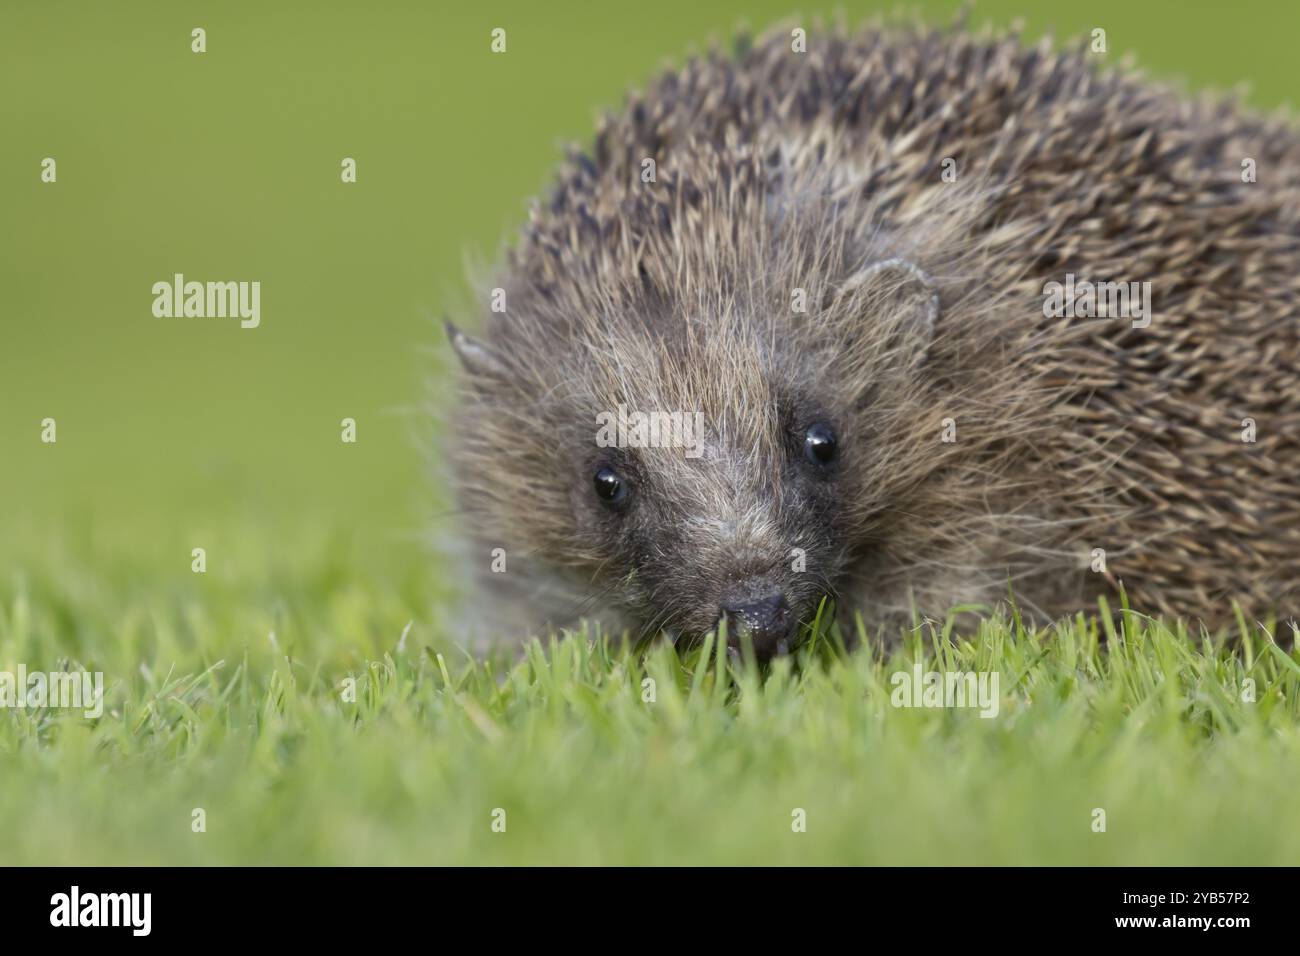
(766, 621)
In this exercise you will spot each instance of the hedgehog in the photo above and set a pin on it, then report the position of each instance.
(843, 263)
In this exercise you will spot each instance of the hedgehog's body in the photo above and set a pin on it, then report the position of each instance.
(980, 447)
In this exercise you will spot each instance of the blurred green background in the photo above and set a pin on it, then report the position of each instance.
(225, 166)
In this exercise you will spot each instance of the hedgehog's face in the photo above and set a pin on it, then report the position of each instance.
(686, 474)
(736, 475)
(737, 524)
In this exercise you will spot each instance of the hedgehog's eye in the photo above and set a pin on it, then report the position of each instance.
(610, 488)
(819, 444)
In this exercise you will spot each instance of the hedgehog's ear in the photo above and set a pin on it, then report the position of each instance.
(899, 298)
(474, 355)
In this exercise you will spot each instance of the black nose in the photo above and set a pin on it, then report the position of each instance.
(766, 621)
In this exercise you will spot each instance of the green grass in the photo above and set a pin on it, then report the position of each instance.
(205, 710)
